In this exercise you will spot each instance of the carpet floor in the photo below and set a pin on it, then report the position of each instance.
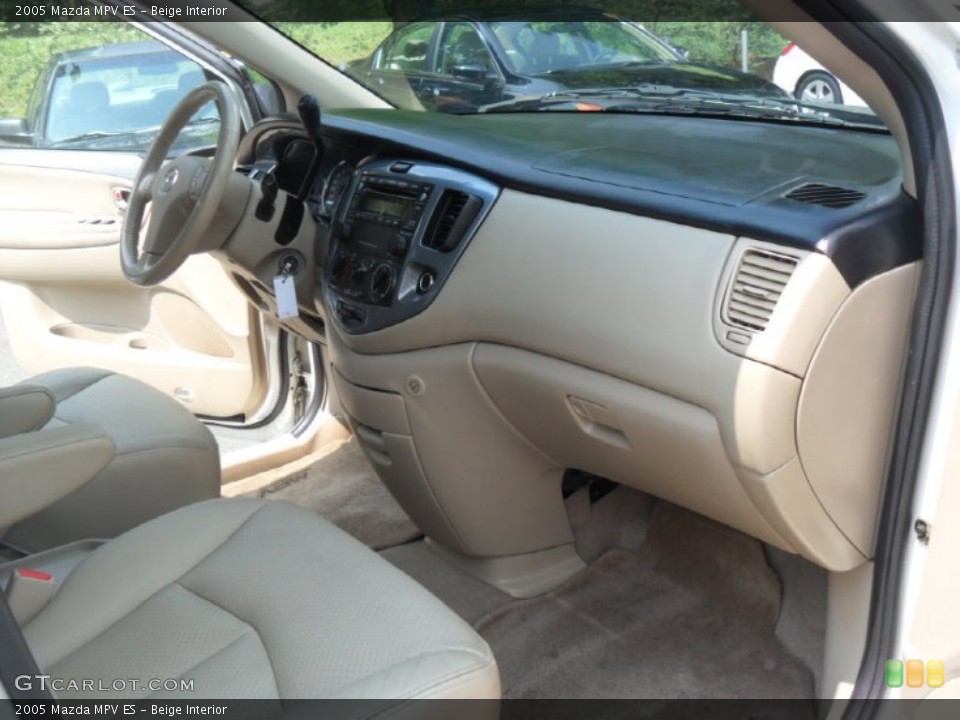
(691, 614)
(469, 597)
(342, 487)
(671, 606)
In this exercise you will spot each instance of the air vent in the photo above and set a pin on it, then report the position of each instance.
(757, 286)
(454, 213)
(826, 195)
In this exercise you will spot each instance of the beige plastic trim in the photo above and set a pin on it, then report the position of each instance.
(359, 402)
(656, 297)
(242, 471)
(848, 610)
(33, 214)
(520, 576)
(39, 468)
(584, 419)
(168, 337)
(251, 256)
(808, 303)
(846, 410)
(787, 501)
(465, 476)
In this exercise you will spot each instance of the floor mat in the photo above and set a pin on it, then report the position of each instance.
(691, 614)
(342, 487)
(469, 597)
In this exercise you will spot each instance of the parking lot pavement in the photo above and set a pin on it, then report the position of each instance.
(10, 372)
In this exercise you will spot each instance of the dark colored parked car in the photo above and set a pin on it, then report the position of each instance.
(462, 63)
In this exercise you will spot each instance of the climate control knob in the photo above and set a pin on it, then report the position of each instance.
(359, 273)
(382, 281)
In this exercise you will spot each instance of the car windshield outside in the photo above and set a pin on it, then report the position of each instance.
(573, 59)
(548, 46)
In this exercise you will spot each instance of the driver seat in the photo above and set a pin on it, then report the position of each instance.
(156, 456)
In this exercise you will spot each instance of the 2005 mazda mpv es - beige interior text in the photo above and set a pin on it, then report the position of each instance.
(625, 389)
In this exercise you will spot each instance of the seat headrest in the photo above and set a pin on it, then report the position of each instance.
(91, 95)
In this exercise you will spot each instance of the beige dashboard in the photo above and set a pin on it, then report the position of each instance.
(611, 344)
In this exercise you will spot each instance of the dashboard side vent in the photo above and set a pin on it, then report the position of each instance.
(826, 195)
(455, 212)
(757, 285)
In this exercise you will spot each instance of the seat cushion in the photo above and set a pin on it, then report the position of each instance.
(255, 599)
(165, 459)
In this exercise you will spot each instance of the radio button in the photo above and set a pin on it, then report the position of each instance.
(400, 245)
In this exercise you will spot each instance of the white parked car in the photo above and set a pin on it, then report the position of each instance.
(799, 74)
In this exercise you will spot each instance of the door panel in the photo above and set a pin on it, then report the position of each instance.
(66, 303)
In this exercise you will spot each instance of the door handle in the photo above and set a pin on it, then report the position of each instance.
(121, 198)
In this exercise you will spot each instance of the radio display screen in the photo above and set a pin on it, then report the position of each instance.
(393, 207)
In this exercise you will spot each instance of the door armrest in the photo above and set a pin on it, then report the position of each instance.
(39, 468)
(25, 408)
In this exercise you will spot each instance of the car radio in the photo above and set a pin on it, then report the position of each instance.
(376, 232)
(397, 233)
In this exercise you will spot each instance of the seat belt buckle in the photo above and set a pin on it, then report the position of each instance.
(28, 592)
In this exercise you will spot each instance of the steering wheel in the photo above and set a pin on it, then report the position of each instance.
(185, 192)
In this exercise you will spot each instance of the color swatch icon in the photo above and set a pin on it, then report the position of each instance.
(897, 673)
(935, 673)
(894, 673)
(914, 673)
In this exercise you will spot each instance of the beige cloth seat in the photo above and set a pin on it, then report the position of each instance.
(255, 599)
(164, 458)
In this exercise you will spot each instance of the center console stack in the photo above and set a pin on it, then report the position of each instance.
(397, 233)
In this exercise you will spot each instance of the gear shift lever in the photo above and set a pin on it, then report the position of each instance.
(309, 111)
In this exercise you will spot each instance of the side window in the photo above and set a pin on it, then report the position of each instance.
(409, 50)
(105, 90)
(268, 94)
(462, 47)
(549, 46)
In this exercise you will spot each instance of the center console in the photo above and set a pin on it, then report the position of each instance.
(398, 231)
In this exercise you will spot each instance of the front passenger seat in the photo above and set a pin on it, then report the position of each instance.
(163, 457)
(255, 599)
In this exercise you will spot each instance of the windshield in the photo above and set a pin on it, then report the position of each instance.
(544, 47)
(471, 62)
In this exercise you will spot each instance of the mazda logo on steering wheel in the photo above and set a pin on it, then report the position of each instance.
(169, 180)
